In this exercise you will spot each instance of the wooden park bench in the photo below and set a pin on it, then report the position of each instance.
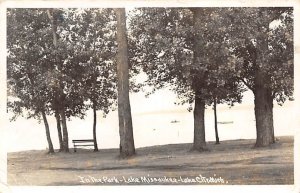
(82, 142)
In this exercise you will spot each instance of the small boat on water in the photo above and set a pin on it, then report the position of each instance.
(175, 121)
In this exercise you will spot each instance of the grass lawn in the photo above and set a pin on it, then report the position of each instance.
(231, 162)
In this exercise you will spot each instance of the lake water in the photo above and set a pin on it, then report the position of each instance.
(153, 125)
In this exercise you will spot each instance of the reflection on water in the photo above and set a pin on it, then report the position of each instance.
(150, 128)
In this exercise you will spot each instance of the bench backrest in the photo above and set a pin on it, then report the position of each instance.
(82, 140)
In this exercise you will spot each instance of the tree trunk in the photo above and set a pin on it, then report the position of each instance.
(263, 99)
(94, 127)
(198, 80)
(199, 127)
(125, 122)
(58, 124)
(65, 131)
(264, 117)
(51, 150)
(216, 122)
(53, 20)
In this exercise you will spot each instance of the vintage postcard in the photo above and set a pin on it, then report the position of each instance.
(149, 95)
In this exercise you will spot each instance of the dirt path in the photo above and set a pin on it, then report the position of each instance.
(231, 162)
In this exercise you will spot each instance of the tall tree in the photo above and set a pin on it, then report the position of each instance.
(125, 122)
(27, 67)
(94, 33)
(216, 76)
(198, 81)
(179, 43)
(53, 17)
(267, 68)
(224, 87)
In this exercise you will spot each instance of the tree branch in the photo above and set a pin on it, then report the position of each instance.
(49, 15)
(247, 84)
(273, 94)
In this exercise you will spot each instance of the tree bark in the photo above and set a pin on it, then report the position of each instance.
(65, 131)
(58, 125)
(94, 127)
(199, 127)
(125, 121)
(263, 102)
(50, 145)
(216, 122)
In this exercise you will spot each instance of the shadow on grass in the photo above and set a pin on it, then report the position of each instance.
(140, 167)
(183, 167)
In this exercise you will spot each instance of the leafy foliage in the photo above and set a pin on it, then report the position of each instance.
(82, 63)
(164, 44)
(265, 33)
(27, 62)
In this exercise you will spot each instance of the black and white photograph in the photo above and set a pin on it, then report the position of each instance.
(149, 96)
